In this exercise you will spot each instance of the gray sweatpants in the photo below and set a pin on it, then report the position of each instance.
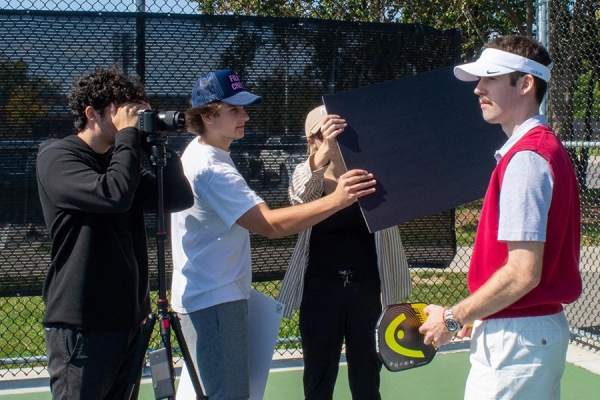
(217, 338)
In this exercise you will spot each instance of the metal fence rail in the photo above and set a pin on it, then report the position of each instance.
(292, 62)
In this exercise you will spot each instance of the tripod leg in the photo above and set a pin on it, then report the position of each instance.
(139, 359)
(187, 358)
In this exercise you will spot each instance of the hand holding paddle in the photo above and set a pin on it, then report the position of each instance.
(400, 345)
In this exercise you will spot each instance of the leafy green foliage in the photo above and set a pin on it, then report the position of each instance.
(24, 98)
(478, 20)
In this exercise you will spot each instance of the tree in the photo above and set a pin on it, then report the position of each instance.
(341, 10)
(478, 20)
(304, 60)
(24, 99)
(574, 41)
(574, 46)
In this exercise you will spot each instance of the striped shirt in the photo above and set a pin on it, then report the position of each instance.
(396, 283)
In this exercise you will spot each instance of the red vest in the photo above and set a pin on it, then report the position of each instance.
(561, 280)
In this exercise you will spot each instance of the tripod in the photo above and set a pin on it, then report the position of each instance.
(161, 360)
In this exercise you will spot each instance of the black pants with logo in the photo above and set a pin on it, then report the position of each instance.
(330, 313)
(89, 365)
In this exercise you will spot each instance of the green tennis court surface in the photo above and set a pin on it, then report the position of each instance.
(443, 378)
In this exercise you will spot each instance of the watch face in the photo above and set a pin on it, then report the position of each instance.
(452, 325)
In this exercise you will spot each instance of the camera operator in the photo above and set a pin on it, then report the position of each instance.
(212, 270)
(94, 192)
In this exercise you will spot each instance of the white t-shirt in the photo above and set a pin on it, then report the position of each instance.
(211, 253)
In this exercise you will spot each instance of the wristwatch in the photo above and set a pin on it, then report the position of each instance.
(451, 324)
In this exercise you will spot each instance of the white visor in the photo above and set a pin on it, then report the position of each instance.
(494, 62)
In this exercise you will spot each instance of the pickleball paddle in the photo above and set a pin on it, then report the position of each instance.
(399, 344)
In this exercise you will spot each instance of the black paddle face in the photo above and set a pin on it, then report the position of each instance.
(399, 344)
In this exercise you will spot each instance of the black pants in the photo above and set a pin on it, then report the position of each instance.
(331, 312)
(89, 365)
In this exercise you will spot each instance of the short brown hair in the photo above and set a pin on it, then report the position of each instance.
(525, 47)
(193, 116)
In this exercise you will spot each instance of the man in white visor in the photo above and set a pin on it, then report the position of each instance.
(525, 259)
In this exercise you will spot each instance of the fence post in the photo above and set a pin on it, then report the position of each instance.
(542, 37)
(140, 39)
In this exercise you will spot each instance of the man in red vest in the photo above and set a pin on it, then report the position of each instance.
(525, 262)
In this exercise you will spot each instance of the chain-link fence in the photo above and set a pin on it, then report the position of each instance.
(291, 63)
(572, 34)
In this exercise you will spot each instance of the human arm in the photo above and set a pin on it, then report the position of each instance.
(328, 149)
(177, 193)
(286, 221)
(521, 273)
(524, 205)
(75, 177)
(306, 185)
(307, 181)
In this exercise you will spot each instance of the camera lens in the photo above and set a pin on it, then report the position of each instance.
(171, 120)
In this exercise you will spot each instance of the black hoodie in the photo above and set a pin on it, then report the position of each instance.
(94, 206)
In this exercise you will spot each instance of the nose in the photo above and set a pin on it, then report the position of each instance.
(479, 90)
(245, 115)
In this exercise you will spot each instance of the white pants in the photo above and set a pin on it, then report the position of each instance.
(518, 358)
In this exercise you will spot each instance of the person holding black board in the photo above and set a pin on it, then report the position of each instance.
(340, 275)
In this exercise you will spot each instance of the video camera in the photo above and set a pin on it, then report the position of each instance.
(151, 124)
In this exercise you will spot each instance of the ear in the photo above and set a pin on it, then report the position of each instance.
(91, 114)
(207, 118)
(312, 145)
(527, 84)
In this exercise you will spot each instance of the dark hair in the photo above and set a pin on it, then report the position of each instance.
(101, 88)
(193, 116)
(525, 47)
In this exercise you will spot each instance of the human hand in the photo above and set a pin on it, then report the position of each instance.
(126, 114)
(353, 185)
(331, 126)
(434, 328)
(465, 331)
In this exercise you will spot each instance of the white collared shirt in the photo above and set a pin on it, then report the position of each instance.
(519, 133)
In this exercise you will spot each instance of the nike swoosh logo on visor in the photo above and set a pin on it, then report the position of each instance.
(492, 72)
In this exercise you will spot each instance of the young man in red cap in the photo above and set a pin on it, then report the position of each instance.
(212, 270)
(525, 262)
